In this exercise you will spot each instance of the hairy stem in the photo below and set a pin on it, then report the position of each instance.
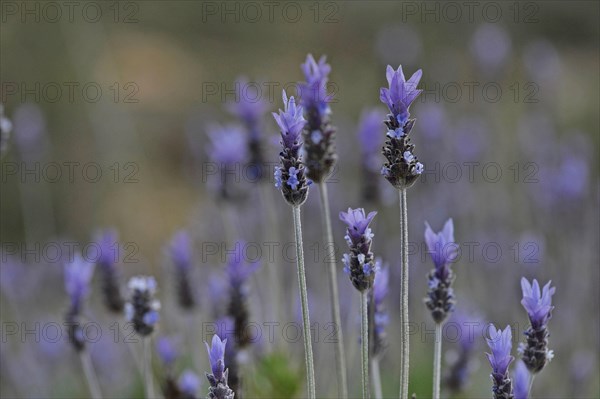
(437, 360)
(404, 372)
(90, 374)
(308, 354)
(364, 330)
(340, 357)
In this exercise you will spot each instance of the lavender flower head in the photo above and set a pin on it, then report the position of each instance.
(461, 364)
(5, 129)
(251, 111)
(78, 275)
(370, 145)
(440, 295)
(380, 315)
(228, 149)
(109, 246)
(142, 308)
(319, 134)
(500, 342)
(359, 263)
(218, 379)
(188, 385)
(180, 253)
(167, 350)
(290, 176)
(538, 304)
(402, 167)
(521, 378)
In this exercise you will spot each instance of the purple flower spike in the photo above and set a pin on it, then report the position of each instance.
(228, 144)
(180, 250)
(521, 378)
(500, 342)
(291, 121)
(380, 314)
(401, 93)
(358, 224)
(441, 247)
(78, 274)
(314, 91)
(216, 355)
(167, 350)
(359, 263)
(537, 304)
(108, 240)
(249, 106)
(189, 384)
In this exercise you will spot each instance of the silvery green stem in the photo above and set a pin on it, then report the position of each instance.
(404, 370)
(530, 385)
(340, 357)
(308, 354)
(90, 374)
(376, 378)
(148, 383)
(364, 330)
(437, 360)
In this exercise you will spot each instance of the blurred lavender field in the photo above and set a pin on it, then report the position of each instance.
(130, 135)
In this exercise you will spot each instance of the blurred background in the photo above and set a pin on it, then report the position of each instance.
(110, 105)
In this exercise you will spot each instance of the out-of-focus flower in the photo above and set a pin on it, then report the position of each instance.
(359, 264)
(380, 315)
(521, 380)
(371, 140)
(538, 304)
(290, 176)
(78, 275)
(180, 252)
(108, 242)
(142, 307)
(228, 150)
(167, 350)
(5, 128)
(490, 46)
(542, 62)
(189, 384)
(500, 342)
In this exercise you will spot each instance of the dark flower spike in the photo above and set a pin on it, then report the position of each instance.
(142, 308)
(319, 134)
(290, 176)
(538, 304)
(402, 167)
(369, 136)
(521, 378)
(78, 274)
(180, 252)
(218, 379)
(359, 264)
(108, 242)
(380, 314)
(440, 295)
(500, 342)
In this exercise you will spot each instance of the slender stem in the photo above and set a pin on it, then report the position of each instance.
(376, 378)
(404, 375)
(148, 383)
(364, 329)
(530, 385)
(90, 374)
(340, 357)
(437, 360)
(308, 354)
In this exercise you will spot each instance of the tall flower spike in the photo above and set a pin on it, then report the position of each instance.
(359, 264)
(319, 134)
(521, 378)
(142, 308)
(180, 252)
(78, 274)
(5, 128)
(380, 314)
(290, 176)
(500, 342)
(369, 136)
(228, 150)
(538, 304)
(402, 167)
(218, 379)
(109, 248)
(440, 295)
(251, 108)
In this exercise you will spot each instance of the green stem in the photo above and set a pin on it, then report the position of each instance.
(376, 378)
(437, 360)
(530, 385)
(404, 374)
(308, 354)
(90, 374)
(148, 383)
(364, 329)
(340, 357)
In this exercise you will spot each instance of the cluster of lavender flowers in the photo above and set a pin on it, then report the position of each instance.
(78, 275)
(359, 263)
(142, 307)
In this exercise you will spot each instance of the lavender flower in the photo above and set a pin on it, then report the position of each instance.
(359, 263)
(521, 378)
(188, 385)
(319, 134)
(5, 128)
(380, 315)
(142, 308)
(535, 352)
(370, 144)
(218, 379)
(78, 274)
(290, 176)
(180, 252)
(251, 111)
(167, 351)
(228, 150)
(440, 295)
(108, 243)
(402, 168)
(500, 358)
